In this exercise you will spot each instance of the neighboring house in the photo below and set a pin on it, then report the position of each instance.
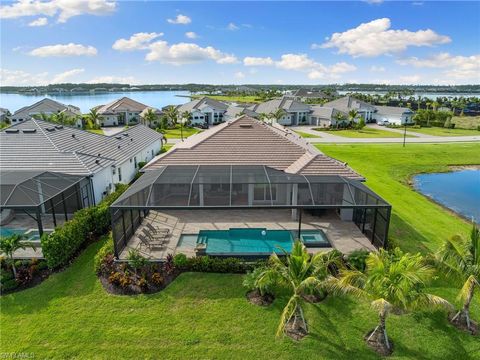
(234, 111)
(394, 115)
(48, 107)
(4, 114)
(305, 94)
(36, 145)
(323, 116)
(295, 112)
(347, 103)
(153, 124)
(124, 111)
(204, 111)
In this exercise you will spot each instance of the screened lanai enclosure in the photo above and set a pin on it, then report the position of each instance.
(187, 197)
(32, 202)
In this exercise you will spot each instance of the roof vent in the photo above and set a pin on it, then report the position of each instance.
(50, 129)
(125, 134)
(97, 161)
(29, 131)
(118, 137)
(119, 146)
(58, 127)
(12, 131)
(73, 135)
(246, 126)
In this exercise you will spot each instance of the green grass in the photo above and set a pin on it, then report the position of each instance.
(306, 135)
(364, 133)
(438, 131)
(237, 99)
(207, 316)
(175, 133)
(466, 122)
(96, 131)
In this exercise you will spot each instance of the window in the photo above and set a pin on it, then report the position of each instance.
(152, 153)
(119, 174)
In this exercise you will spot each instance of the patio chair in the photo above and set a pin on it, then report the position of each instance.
(151, 244)
(156, 237)
(156, 229)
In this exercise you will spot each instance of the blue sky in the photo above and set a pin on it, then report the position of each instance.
(145, 42)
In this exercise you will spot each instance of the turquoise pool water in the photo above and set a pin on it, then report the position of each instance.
(251, 241)
(6, 231)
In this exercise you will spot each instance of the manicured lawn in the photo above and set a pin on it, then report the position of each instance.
(207, 316)
(466, 122)
(438, 131)
(237, 99)
(175, 133)
(306, 135)
(96, 131)
(364, 133)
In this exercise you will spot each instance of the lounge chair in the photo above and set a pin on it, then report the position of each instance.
(151, 244)
(157, 230)
(156, 237)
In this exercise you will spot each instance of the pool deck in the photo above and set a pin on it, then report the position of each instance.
(343, 235)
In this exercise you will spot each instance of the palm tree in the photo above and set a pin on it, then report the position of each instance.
(93, 117)
(277, 114)
(10, 244)
(172, 114)
(301, 274)
(262, 116)
(352, 115)
(459, 257)
(393, 281)
(185, 119)
(150, 117)
(339, 117)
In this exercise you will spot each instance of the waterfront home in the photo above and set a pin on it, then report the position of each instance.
(245, 188)
(204, 111)
(324, 116)
(48, 107)
(123, 111)
(36, 145)
(348, 103)
(394, 115)
(294, 112)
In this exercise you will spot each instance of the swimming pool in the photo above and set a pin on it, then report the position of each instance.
(251, 241)
(32, 235)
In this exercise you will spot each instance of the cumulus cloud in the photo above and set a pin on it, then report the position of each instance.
(63, 50)
(376, 38)
(20, 77)
(112, 80)
(257, 61)
(191, 35)
(375, 68)
(39, 22)
(65, 9)
(63, 77)
(232, 27)
(456, 67)
(180, 20)
(186, 53)
(137, 41)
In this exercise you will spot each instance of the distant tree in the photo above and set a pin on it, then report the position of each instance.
(184, 120)
(361, 124)
(277, 114)
(171, 113)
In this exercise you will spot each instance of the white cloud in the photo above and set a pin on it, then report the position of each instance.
(20, 77)
(186, 53)
(374, 1)
(39, 22)
(456, 67)
(239, 75)
(295, 62)
(63, 77)
(375, 68)
(376, 38)
(70, 49)
(137, 41)
(64, 8)
(113, 79)
(232, 27)
(257, 61)
(180, 19)
(191, 35)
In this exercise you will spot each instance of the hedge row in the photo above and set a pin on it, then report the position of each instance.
(89, 223)
(213, 264)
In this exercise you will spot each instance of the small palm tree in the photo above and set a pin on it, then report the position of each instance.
(93, 117)
(277, 114)
(10, 244)
(301, 274)
(459, 257)
(185, 119)
(150, 117)
(352, 115)
(171, 113)
(392, 281)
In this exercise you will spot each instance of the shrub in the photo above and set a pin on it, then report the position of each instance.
(141, 164)
(209, 264)
(24, 276)
(358, 259)
(135, 260)
(100, 256)
(157, 279)
(61, 245)
(9, 285)
(180, 261)
(5, 276)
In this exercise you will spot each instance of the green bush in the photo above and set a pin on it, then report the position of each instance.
(9, 285)
(61, 245)
(180, 261)
(141, 164)
(106, 249)
(212, 264)
(358, 259)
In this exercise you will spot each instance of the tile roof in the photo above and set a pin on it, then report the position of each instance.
(286, 103)
(47, 105)
(120, 105)
(348, 103)
(198, 104)
(393, 110)
(67, 149)
(247, 141)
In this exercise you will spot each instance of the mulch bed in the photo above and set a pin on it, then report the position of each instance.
(37, 278)
(377, 343)
(297, 332)
(314, 298)
(256, 298)
(461, 323)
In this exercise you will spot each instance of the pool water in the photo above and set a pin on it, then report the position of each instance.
(31, 235)
(252, 241)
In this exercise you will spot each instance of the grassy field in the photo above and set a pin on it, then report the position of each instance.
(237, 99)
(466, 122)
(306, 135)
(438, 131)
(365, 133)
(176, 133)
(207, 316)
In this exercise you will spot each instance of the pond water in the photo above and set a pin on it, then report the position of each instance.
(85, 102)
(457, 190)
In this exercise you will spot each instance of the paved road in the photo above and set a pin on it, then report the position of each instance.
(326, 137)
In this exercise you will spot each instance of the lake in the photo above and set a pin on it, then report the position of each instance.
(85, 102)
(456, 190)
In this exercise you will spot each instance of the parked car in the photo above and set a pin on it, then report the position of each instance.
(383, 122)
